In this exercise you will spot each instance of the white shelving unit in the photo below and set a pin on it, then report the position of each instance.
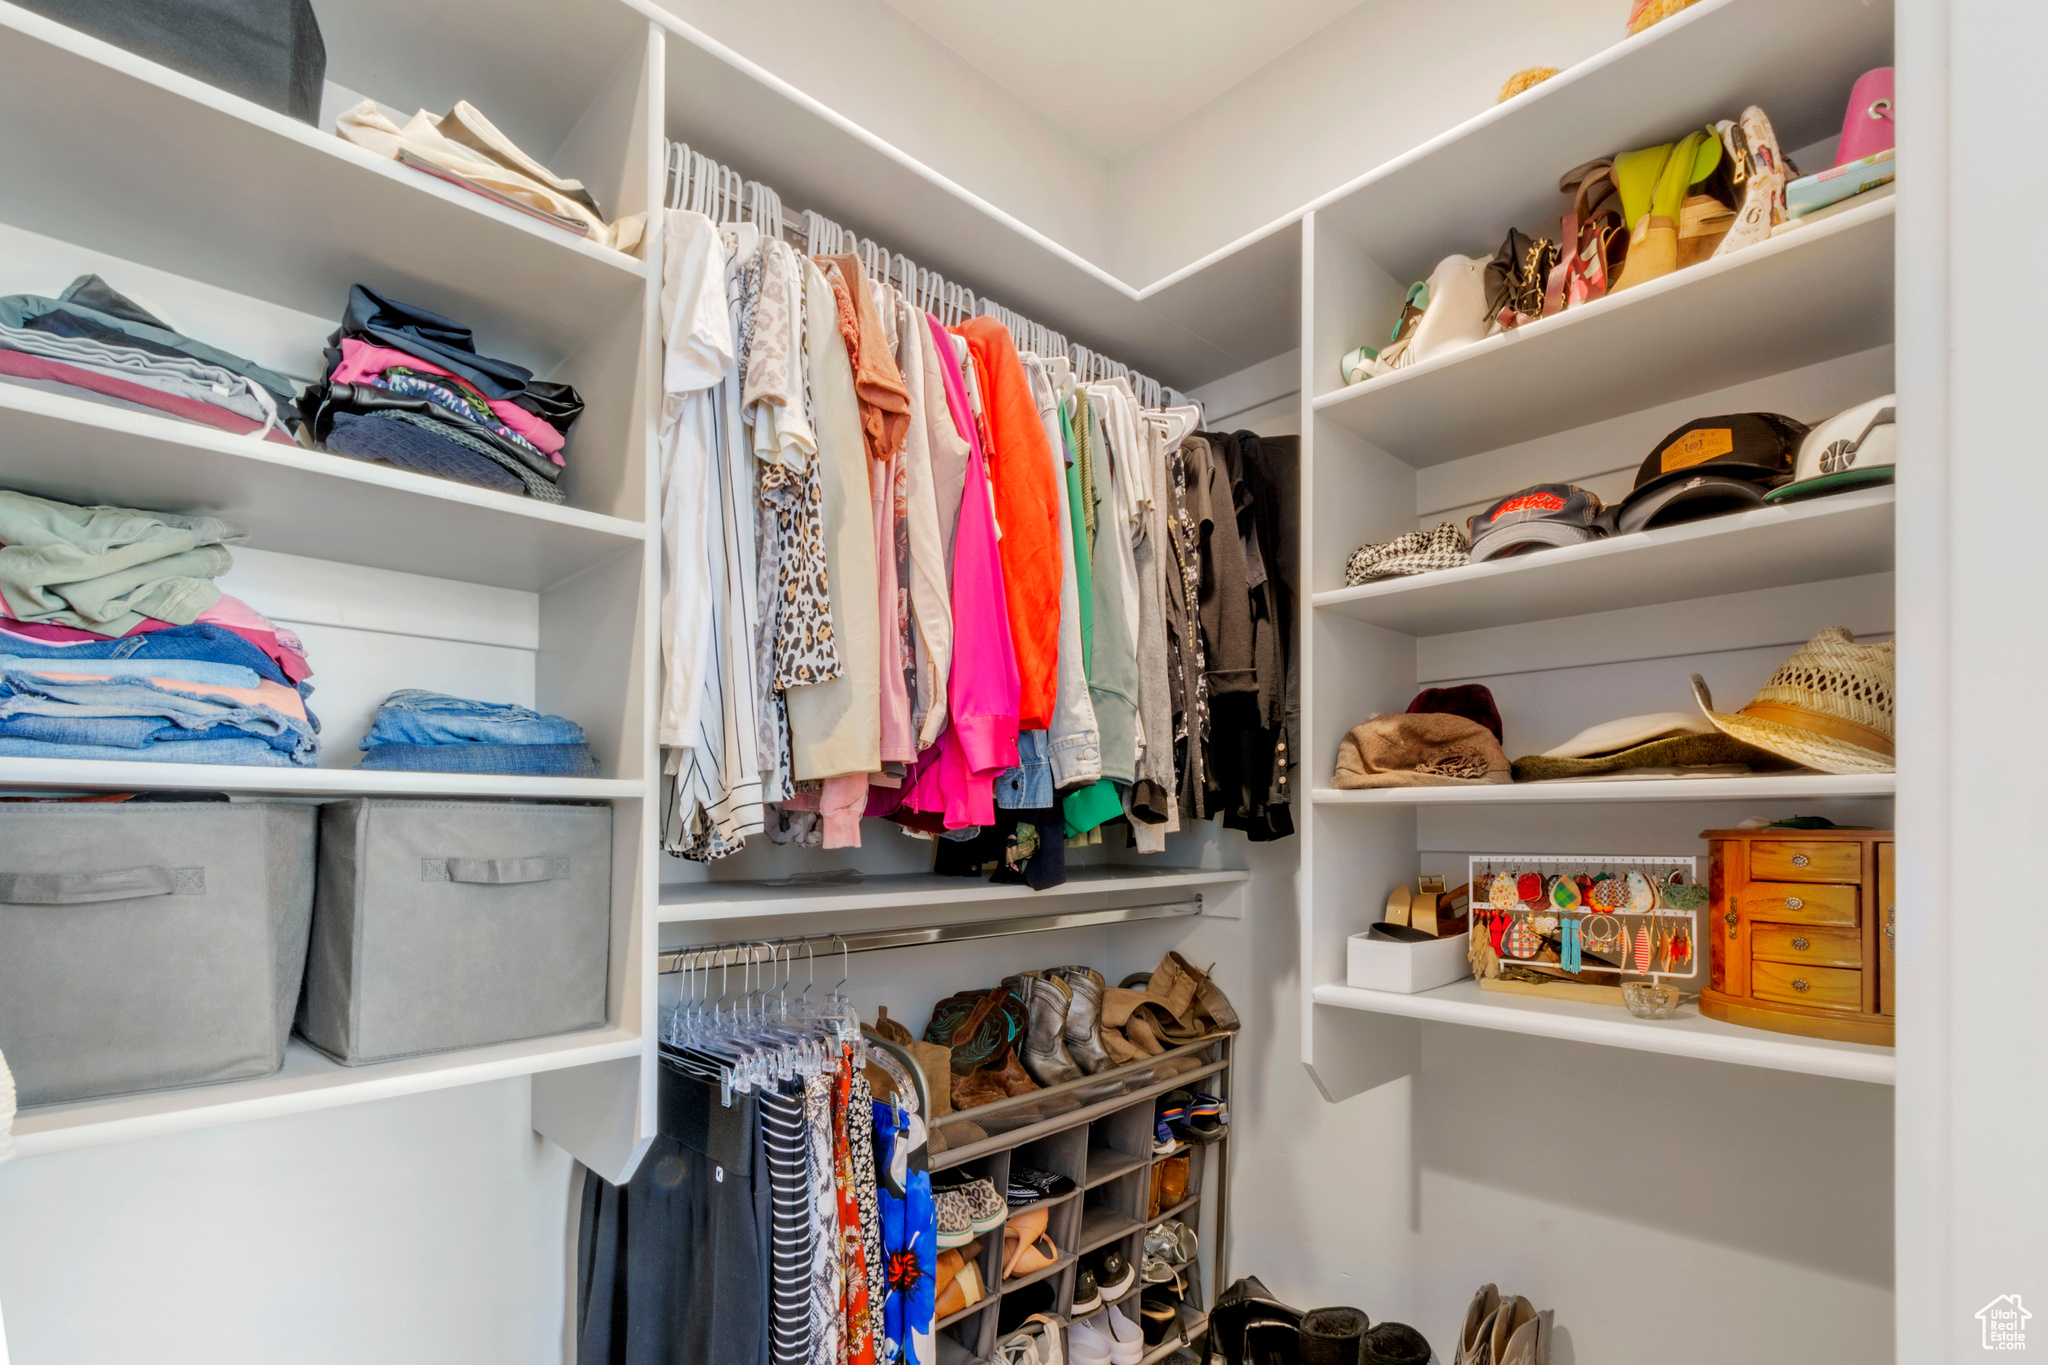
(1085, 889)
(253, 226)
(1785, 787)
(1686, 1035)
(1568, 637)
(1811, 295)
(300, 501)
(1844, 536)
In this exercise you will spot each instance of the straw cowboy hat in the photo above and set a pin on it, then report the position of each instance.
(1830, 706)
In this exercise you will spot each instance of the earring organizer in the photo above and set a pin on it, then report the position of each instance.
(1586, 927)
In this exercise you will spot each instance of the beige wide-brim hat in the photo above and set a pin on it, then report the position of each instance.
(1830, 706)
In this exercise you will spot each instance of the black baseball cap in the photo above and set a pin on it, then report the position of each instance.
(1691, 498)
(1547, 515)
(1711, 466)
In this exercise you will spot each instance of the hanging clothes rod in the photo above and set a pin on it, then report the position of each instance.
(694, 181)
(878, 940)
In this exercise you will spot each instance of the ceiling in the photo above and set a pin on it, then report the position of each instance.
(1113, 74)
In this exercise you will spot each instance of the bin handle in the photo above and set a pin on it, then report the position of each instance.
(85, 888)
(494, 871)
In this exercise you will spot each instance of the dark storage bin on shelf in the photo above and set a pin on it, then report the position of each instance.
(447, 924)
(148, 945)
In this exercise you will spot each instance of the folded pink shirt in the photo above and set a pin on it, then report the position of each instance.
(284, 647)
(361, 360)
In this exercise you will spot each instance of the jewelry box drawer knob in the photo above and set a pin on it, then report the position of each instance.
(1799, 860)
(1794, 903)
(1801, 944)
(1800, 983)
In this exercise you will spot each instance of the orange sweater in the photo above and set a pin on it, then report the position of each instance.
(1027, 511)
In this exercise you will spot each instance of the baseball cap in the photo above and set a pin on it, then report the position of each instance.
(1689, 499)
(1710, 466)
(1546, 515)
(1855, 447)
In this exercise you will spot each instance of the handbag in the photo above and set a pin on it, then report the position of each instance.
(1454, 313)
(1249, 1324)
(1595, 238)
(1517, 278)
(1653, 183)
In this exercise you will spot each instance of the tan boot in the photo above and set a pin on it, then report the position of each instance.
(1478, 1323)
(1530, 1343)
(1514, 1314)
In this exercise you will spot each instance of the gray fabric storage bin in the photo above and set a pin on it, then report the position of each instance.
(144, 946)
(446, 924)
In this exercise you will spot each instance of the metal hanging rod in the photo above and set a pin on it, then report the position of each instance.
(695, 181)
(919, 936)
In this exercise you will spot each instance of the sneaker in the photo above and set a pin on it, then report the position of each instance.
(1170, 1120)
(1164, 1143)
(1085, 1345)
(985, 1207)
(1087, 1298)
(1123, 1336)
(1028, 1185)
(1114, 1273)
(955, 1222)
(1088, 1345)
(1207, 1118)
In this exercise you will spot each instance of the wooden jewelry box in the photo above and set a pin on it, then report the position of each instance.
(1802, 931)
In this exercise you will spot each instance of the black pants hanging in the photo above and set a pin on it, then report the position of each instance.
(673, 1266)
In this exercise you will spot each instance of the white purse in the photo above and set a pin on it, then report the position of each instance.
(1455, 316)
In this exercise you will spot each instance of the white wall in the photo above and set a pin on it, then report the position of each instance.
(870, 64)
(1373, 84)
(434, 1228)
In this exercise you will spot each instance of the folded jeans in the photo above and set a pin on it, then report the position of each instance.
(518, 760)
(247, 753)
(415, 716)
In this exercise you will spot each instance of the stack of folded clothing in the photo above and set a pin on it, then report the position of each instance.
(90, 340)
(463, 148)
(418, 731)
(409, 387)
(115, 644)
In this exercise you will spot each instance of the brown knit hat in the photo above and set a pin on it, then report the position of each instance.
(1426, 750)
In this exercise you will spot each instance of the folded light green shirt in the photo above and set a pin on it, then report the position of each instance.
(106, 569)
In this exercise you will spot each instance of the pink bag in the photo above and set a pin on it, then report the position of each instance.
(1867, 128)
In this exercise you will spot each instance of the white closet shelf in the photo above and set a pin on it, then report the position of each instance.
(298, 501)
(1085, 888)
(150, 165)
(1688, 1034)
(1813, 294)
(1838, 536)
(308, 1081)
(69, 774)
(1459, 191)
(1790, 787)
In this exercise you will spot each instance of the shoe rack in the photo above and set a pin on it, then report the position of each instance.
(1098, 1133)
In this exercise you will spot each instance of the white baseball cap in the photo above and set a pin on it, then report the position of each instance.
(1852, 448)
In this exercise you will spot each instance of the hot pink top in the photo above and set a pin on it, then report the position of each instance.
(980, 740)
(362, 360)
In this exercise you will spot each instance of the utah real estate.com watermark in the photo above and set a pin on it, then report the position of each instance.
(2004, 1322)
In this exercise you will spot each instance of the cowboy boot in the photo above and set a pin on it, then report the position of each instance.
(1044, 1045)
(1083, 1034)
(1478, 1324)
